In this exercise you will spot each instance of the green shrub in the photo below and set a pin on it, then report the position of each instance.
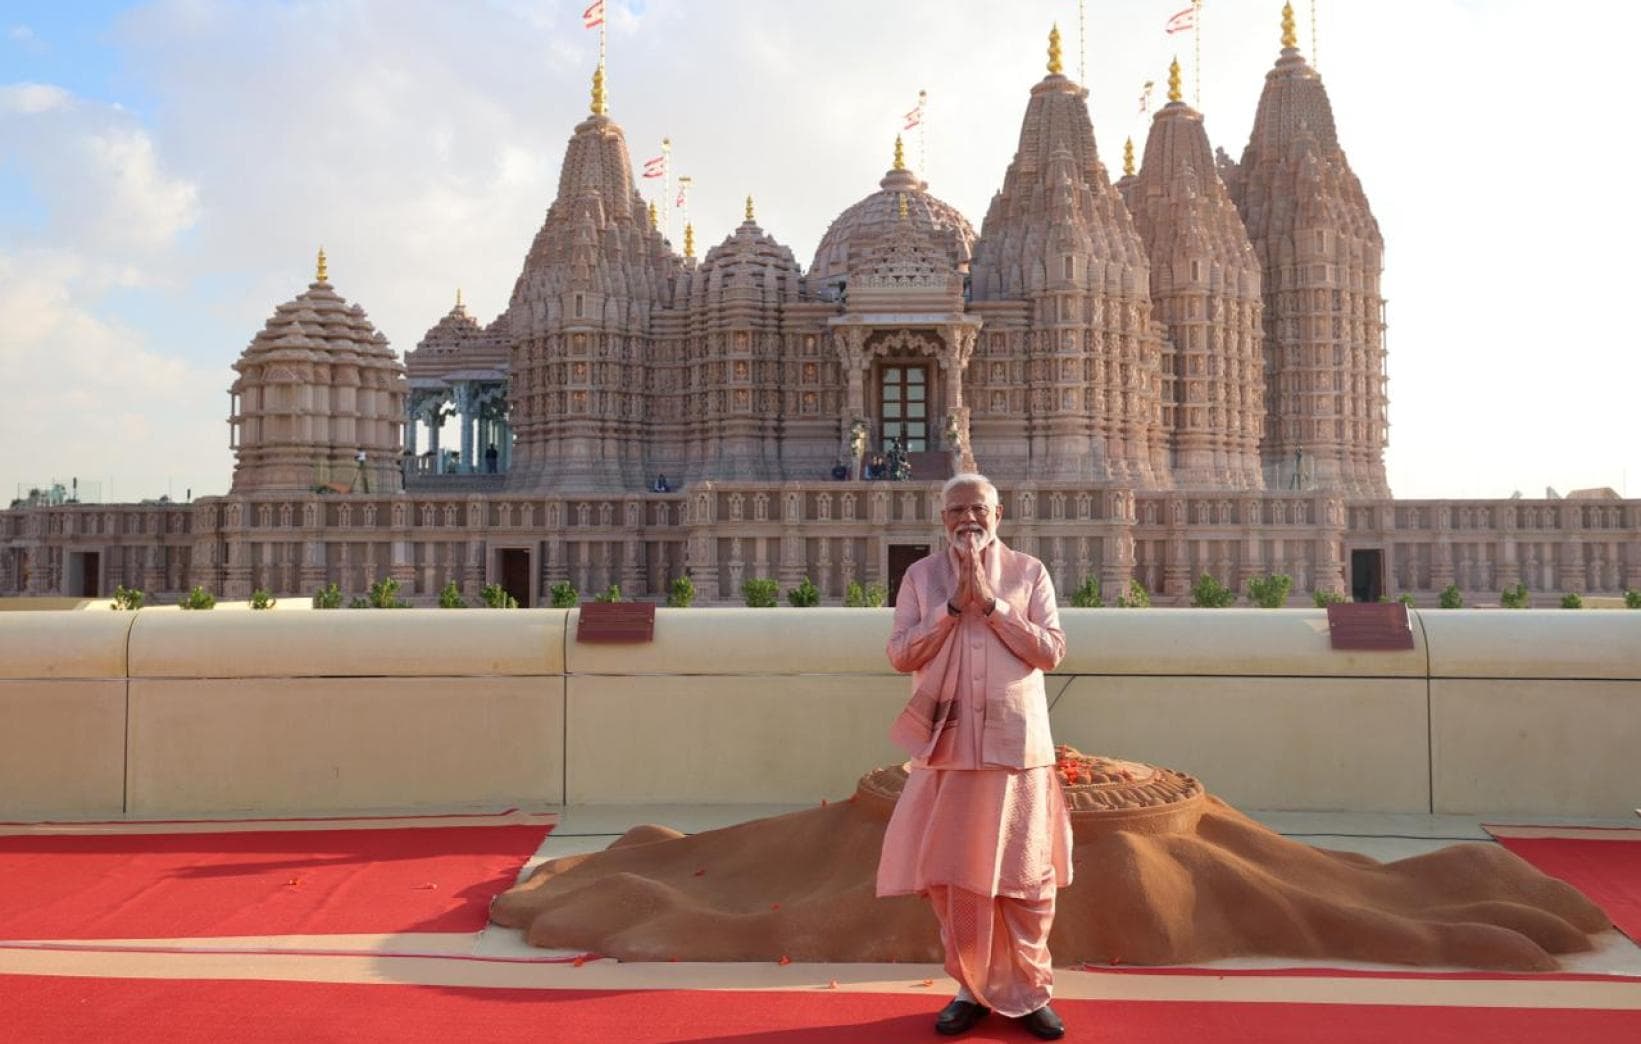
(1572, 601)
(1137, 597)
(1208, 593)
(496, 597)
(262, 598)
(804, 595)
(384, 594)
(760, 594)
(682, 593)
(564, 595)
(1270, 591)
(1451, 598)
(359, 602)
(198, 598)
(869, 597)
(1515, 597)
(127, 598)
(328, 597)
(1323, 599)
(1406, 598)
(1088, 595)
(611, 594)
(1632, 599)
(451, 597)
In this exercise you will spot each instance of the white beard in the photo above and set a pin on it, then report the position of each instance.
(958, 541)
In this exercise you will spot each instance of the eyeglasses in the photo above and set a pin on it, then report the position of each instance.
(979, 510)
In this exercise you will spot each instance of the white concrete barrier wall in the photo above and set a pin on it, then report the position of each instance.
(200, 713)
(62, 714)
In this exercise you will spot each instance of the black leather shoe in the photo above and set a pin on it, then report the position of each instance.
(959, 1017)
(1044, 1024)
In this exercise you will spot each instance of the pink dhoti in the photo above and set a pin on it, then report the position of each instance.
(989, 847)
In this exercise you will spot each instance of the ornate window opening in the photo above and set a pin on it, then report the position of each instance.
(903, 406)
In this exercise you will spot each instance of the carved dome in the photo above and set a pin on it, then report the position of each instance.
(870, 220)
(748, 260)
(317, 385)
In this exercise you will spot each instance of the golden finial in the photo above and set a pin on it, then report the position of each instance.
(458, 297)
(655, 216)
(1174, 93)
(905, 212)
(599, 107)
(689, 240)
(1128, 158)
(1290, 38)
(322, 273)
(900, 154)
(749, 216)
(1054, 50)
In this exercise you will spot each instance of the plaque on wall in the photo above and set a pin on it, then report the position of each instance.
(1376, 626)
(616, 622)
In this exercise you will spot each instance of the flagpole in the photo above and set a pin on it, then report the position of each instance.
(1315, 62)
(922, 135)
(1196, 39)
(1082, 47)
(666, 183)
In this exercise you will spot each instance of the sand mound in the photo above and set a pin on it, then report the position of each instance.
(1164, 874)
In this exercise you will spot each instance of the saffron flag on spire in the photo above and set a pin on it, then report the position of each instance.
(593, 16)
(1145, 95)
(1183, 22)
(915, 117)
(656, 167)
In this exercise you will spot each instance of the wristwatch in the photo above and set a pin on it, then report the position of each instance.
(952, 609)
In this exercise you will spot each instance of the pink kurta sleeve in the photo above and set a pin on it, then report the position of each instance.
(919, 630)
(1034, 636)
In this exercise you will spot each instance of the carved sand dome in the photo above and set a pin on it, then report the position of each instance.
(317, 386)
(878, 214)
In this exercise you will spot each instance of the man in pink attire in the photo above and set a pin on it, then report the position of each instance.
(981, 828)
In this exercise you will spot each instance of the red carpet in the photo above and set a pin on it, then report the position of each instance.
(429, 879)
(51, 1009)
(1609, 872)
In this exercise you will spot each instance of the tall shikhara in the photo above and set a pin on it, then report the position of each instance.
(1205, 292)
(1066, 383)
(1324, 317)
(580, 322)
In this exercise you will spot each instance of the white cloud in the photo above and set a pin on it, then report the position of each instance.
(93, 399)
(31, 99)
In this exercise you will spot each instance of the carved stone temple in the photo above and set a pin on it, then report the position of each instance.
(1175, 373)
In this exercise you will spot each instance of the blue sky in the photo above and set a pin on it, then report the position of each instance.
(167, 169)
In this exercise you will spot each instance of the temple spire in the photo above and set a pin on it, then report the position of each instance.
(1128, 158)
(900, 154)
(1174, 92)
(689, 241)
(750, 216)
(1290, 37)
(599, 106)
(1054, 65)
(321, 270)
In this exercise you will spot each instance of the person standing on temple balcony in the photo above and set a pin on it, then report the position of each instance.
(981, 828)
